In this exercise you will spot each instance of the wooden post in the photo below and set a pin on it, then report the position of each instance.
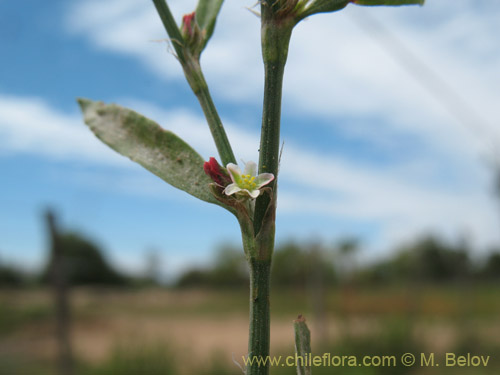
(59, 283)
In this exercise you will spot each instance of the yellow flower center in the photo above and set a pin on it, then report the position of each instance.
(247, 182)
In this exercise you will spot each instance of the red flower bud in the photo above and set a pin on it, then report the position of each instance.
(216, 172)
(187, 23)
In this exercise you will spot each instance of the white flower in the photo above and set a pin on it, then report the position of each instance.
(248, 182)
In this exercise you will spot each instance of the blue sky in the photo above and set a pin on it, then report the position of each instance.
(369, 150)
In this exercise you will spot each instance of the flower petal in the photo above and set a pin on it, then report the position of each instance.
(250, 168)
(234, 172)
(231, 189)
(263, 179)
(254, 193)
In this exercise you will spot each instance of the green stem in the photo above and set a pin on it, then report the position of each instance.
(270, 135)
(196, 79)
(171, 27)
(192, 70)
(276, 34)
(259, 337)
(275, 39)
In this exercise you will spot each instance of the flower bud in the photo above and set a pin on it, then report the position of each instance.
(188, 24)
(216, 172)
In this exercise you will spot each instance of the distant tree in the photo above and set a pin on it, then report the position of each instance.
(496, 185)
(153, 264)
(290, 267)
(428, 259)
(345, 251)
(194, 277)
(438, 261)
(84, 263)
(11, 276)
(294, 264)
(491, 269)
(228, 270)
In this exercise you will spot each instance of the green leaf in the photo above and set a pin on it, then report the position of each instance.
(147, 143)
(324, 6)
(388, 2)
(206, 15)
(302, 345)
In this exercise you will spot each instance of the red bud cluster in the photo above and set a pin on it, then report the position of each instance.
(188, 24)
(216, 172)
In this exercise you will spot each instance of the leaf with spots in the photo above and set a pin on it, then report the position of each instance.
(147, 143)
(388, 2)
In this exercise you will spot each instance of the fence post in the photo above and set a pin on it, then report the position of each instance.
(59, 286)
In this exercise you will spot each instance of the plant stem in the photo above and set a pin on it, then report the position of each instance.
(276, 34)
(270, 136)
(259, 334)
(171, 27)
(275, 39)
(196, 80)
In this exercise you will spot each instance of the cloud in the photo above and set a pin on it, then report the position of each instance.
(342, 65)
(128, 27)
(339, 76)
(402, 204)
(132, 27)
(30, 125)
(348, 70)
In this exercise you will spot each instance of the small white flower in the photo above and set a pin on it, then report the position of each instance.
(247, 182)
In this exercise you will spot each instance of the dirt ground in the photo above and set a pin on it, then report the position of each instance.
(195, 324)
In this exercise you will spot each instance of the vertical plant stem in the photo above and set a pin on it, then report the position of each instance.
(192, 70)
(194, 75)
(270, 136)
(259, 335)
(275, 38)
(171, 27)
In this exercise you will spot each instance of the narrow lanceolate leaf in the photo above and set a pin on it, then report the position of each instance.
(324, 6)
(206, 15)
(302, 346)
(388, 2)
(145, 142)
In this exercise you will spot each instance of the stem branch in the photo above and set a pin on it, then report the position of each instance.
(192, 70)
(196, 79)
(171, 27)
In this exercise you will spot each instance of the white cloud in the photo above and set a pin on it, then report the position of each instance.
(402, 204)
(127, 26)
(232, 62)
(334, 69)
(348, 71)
(31, 125)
